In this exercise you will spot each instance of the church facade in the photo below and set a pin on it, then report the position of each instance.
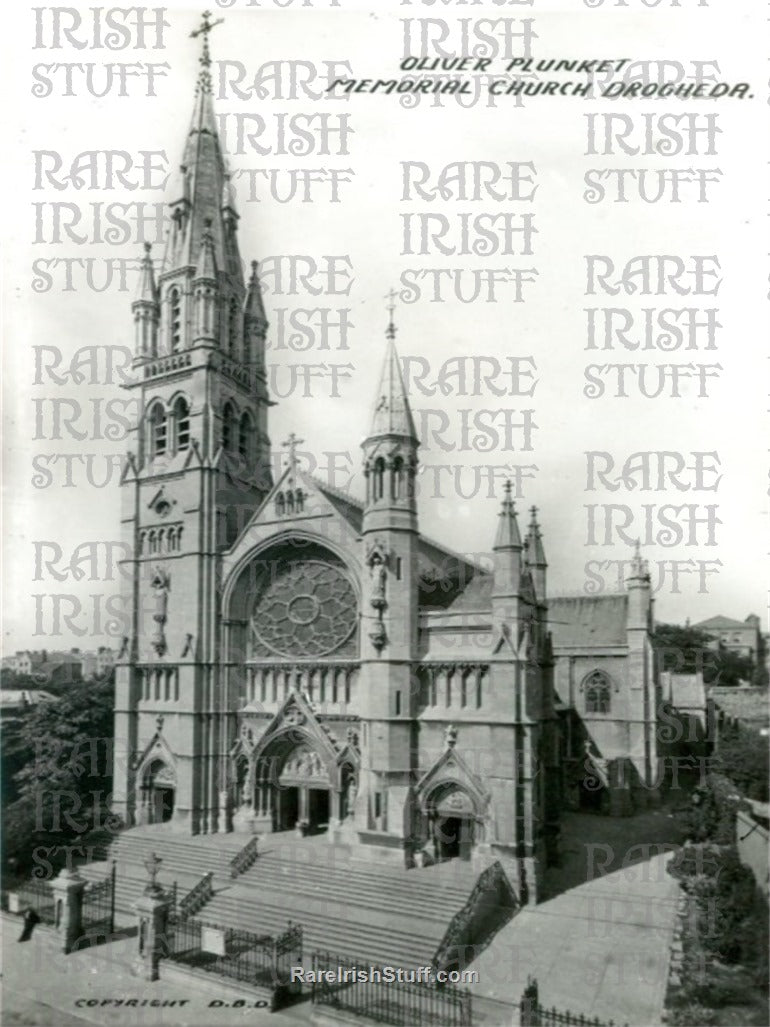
(297, 659)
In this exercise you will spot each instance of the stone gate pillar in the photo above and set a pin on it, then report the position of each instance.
(68, 890)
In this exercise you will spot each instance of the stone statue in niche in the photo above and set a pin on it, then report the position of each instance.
(161, 586)
(379, 578)
(350, 799)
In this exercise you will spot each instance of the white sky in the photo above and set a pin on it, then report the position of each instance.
(366, 225)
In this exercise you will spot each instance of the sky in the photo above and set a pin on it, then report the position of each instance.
(388, 220)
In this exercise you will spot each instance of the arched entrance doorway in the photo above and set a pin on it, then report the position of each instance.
(158, 792)
(452, 822)
(301, 791)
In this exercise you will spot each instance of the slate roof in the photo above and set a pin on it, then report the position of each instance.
(720, 623)
(588, 620)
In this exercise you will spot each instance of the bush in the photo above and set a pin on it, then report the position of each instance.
(692, 1015)
(714, 805)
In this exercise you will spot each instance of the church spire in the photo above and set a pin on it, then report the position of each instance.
(535, 555)
(392, 414)
(508, 535)
(204, 192)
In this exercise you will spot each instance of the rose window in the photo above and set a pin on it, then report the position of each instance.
(306, 609)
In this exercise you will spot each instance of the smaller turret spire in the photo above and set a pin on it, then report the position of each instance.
(508, 536)
(146, 309)
(206, 267)
(392, 414)
(534, 542)
(147, 291)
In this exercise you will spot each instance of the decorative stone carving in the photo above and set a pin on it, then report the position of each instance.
(161, 585)
(294, 716)
(188, 646)
(450, 736)
(378, 636)
(308, 608)
(303, 763)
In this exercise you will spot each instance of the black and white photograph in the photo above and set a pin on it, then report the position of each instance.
(386, 495)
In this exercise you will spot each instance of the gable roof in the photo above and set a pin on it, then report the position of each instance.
(588, 620)
(721, 623)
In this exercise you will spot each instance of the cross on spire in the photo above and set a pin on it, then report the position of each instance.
(291, 444)
(204, 79)
(391, 307)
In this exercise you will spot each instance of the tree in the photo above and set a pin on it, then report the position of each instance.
(683, 650)
(743, 757)
(687, 650)
(65, 784)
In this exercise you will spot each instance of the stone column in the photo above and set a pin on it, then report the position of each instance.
(152, 911)
(68, 890)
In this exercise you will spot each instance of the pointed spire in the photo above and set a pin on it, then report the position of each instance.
(534, 542)
(147, 291)
(392, 414)
(508, 536)
(639, 567)
(254, 308)
(206, 268)
(204, 190)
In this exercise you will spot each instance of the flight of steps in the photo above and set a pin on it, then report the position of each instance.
(185, 860)
(369, 910)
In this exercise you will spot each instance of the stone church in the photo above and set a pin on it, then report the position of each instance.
(299, 660)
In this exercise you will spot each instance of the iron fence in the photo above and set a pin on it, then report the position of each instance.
(535, 1015)
(401, 1003)
(98, 914)
(39, 896)
(255, 959)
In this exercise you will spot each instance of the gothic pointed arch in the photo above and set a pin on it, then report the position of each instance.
(451, 785)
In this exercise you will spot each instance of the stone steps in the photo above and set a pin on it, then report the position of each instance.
(375, 911)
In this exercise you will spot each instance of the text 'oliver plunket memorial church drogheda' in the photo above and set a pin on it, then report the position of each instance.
(318, 666)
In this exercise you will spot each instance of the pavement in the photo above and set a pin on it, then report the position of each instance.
(600, 949)
(45, 988)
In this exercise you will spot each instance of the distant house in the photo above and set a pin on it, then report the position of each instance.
(741, 637)
(27, 662)
(98, 664)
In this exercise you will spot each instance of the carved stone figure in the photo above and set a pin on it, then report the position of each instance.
(161, 585)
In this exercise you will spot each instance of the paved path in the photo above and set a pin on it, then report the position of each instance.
(43, 987)
(600, 949)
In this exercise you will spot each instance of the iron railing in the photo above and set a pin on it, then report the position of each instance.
(255, 959)
(490, 905)
(532, 1014)
(39, 896)
(245, 858)
(98, 913)
(401, 1003)
(196, 897)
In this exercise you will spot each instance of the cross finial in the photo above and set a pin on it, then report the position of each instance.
(205, 27)
(391, 308)
(291, 444)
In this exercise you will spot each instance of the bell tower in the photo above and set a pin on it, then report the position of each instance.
(390, 596)
(199, 466)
